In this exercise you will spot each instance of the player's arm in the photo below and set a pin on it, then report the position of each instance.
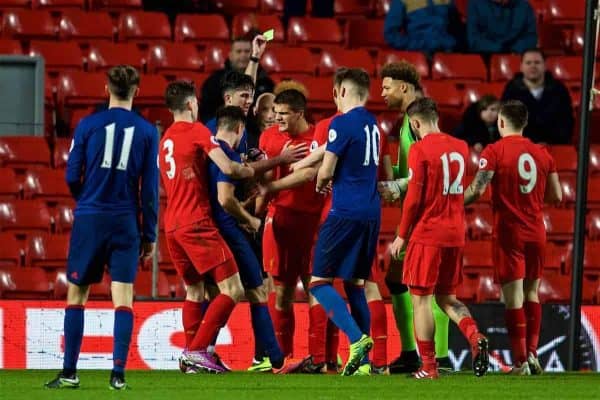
(76, 161)
(288, 155)
(387, 167)
(310, 160)
(477, 188)
(325, 174)
(230, 168)
(227, 200)
(149, 194)
(553, 193)
(392, 190)
(261, 202)
(259, 43)
(295, 179)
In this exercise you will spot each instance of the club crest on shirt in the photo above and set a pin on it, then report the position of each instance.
(410, 174)
(214, 140)
(314, 145)
(482, 163)
(332, 135)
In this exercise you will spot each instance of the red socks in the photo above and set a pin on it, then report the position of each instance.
(333, 342)
(284, 324)
(192, 317)
(427, 352)
(216, 316)
(317, 333)
(516, 325)
(468, 327)
(379, 332)
(533, 314)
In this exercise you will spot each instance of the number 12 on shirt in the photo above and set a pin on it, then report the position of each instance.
(456, 187)
(371, 145)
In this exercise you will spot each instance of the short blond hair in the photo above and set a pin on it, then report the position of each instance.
(290, 84)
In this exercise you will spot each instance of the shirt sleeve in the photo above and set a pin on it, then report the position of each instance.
(412, 202)
(264, 143)
(551, 161)
(150, 189)
(337, 139)
(320, 136)
(488, 159)
(204, 139)
(76, 161)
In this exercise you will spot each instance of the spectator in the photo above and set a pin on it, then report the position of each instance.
(500, 26)
(261, 117)
(422, 26)
(547, 100)
(479, 126)
(244, 56)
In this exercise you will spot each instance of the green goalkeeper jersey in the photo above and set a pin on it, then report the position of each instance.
(406, 139)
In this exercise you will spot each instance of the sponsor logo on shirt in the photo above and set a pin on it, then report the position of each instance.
(214, 140)
(313, 146)
(332, 135)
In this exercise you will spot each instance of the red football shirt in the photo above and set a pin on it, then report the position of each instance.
(182, 162)
(521, 169)
(302, 198)
(436, 172)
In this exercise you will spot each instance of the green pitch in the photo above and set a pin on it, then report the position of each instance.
(173, 385)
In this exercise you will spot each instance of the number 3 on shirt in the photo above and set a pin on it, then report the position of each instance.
(168, 145)
(456, 187)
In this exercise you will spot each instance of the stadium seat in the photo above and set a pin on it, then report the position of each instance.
(11, 251)
(271, 6)
(331, 59)
(61, 152)
(46, 184)
(81, 89)
(201, 28)
(593, 225)
(594, 192)
(559, 224)
(503, 67)
(477, 257)
(143, 284)
(61, 285)
(292, 60)
(416, 58)
(142, 26)
(26, 24)
(382, 7)
(556, 257)
(480, 222)
(555, 288)
(244, 23)
(577, 39)
(160, 115)
(458, 67)
(48, 251)
(352, 8)
(115, 5)
(59, 5)
(449, 100)
(376, 102)
(565, 12)
(565, 157)
(319, 92)
(568, 183)
(232, 7)
(63, 216)
(314, 32)
(24, 151)
(23, 217)
(85, 26)
(104, 55)
(591, 259)
(472, 163)
(174, 58)
(8, 46)
(390, 219)
(215, 56)
(10, 188)
(594, 159)
(468, 290)
(152, 91)
(58, 56)
(554, 39)
(565, 68)
(25, 283)
(387, 123)
(15, 4)
(101, 291)
(488, 289)
(474, 91)
(365, 33)
(164, 257)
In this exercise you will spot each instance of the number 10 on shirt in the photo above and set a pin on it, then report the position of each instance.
(372, 145)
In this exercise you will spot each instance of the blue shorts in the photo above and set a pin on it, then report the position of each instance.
(345, 248)
(99, 240)
(248, 265)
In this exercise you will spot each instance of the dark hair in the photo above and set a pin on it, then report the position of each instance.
(425, 108)
(234, 80)
(515, 112)
(177, 94)
(230, 117)
(359, 77)
(402, 71)
(337, 76)
(122, 81)
(534, 50)
(246, 37)
(485, 101)
(293, 98)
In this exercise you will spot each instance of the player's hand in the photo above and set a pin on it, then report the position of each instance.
(259, 44)
(327, 189)
(385, 191)
(397, 246)
(293, 153)
(147, 250)
(262, 189)
(253, 226)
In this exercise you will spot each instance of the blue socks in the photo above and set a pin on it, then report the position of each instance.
(122, 337)
(336, 309)
(264, 333)
(73, 328)
(359, 306)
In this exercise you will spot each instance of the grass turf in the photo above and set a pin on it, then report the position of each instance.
(174, 385)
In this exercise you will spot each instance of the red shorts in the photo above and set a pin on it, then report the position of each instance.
(517, 259)
(432, 269)
(198, 249)
(287, 244)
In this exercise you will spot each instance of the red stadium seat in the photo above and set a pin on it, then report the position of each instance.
(503, 67)
(58, 56)
(557, 256)
(480, 223)
(593, 225)
(271, 6)
(46, 184)
(143, 284)
(115, 5)
(48, 252)
(449, 100)
(8, 46)
(174, 58)
(559, 224)
(215, 56)
(85, 26)
(468, 290)
(293, 60)
(244, 23)
(365, 33)
(565, 11)
(416, 58)
(554, 39)
(390, 219)
(565, 68)
(24, 217)
(25, 24)
(11, 252)
(101, 291)
(15, 4)
(319, 92)
(59, 4)
(577, 39)
(382, 7)
(473, 92)
(104, 55)
(565, 157)
(314, 32)
(82, 89)
(60, 285)
(201, 28)
(152, 90)
(488, 289)
(591, 259)
(232, 7)
(63, 217)
(74, 117)
(61, 152)
(10, 188)
(555, 288)
(594, 159)
(478, 257)
(24, 151)
(376, 102)
(331, 59)
(25, 283)
(387, 123)
(352, 8)
(461, 67)
(142, 26)
(594, 192)
(569, 188)
(164, 257)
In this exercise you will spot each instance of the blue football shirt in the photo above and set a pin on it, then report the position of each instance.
(354, 138)
(112, 167)
(221, 217)
(242, 147)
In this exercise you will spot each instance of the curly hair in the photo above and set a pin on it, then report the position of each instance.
(402, 71)
(290, 84)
